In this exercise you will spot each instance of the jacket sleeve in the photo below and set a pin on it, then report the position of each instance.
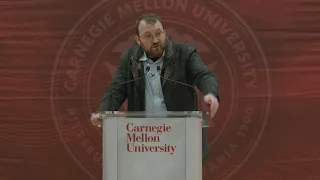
(202, 77)
(115, 95)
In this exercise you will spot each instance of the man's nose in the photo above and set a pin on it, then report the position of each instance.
(155, 39)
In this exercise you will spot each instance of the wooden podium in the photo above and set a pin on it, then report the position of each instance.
(145, 146)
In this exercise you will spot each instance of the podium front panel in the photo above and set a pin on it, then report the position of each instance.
(152, 148)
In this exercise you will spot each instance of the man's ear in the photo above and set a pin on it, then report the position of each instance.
(137, 38)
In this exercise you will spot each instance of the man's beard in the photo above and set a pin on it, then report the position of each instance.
(156, 50)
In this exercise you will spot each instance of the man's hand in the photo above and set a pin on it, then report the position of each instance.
(96, 120)
(212, 101)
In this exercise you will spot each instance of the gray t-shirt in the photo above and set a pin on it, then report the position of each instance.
(153, 92)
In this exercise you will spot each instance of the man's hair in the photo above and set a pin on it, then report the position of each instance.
(149, 18)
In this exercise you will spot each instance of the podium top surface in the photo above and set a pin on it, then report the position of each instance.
(200, 114)
(166, 114)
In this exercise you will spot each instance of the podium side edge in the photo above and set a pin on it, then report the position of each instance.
(110, 149)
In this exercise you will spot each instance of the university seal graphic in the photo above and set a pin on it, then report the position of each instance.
(89, 57)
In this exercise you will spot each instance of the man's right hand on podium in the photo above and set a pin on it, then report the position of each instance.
(96, 120)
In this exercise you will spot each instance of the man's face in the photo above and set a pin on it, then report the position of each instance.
(151, 38)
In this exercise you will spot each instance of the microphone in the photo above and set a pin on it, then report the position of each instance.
(115, 85)
(195, 95)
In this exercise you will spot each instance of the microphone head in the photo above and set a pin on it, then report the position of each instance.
(148, 68)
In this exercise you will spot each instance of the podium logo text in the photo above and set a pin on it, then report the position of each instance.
(145, 138)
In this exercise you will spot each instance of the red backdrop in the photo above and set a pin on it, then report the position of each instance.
(57, 57)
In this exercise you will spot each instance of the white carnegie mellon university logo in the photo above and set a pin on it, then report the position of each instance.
(90, 55)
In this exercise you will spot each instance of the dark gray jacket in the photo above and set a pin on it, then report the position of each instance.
(181, 63)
